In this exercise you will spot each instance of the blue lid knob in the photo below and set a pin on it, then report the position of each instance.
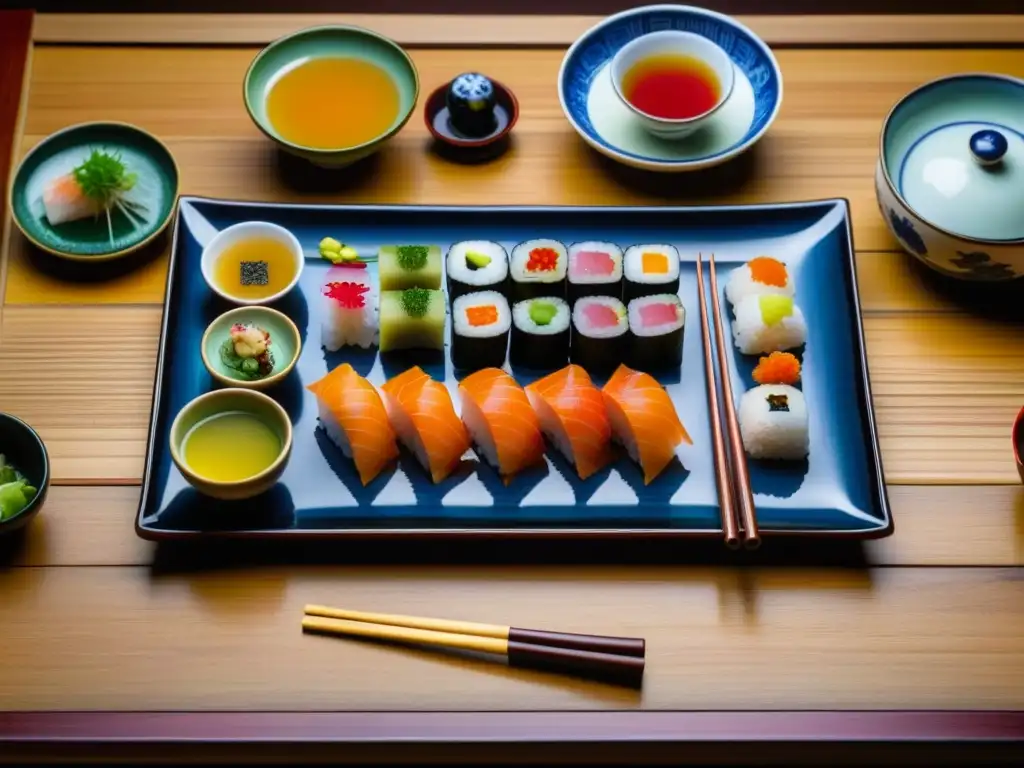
(988, 146)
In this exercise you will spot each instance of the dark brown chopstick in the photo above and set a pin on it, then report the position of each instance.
(748, 514)
(623, 646)
(605, 667)
(723, 475)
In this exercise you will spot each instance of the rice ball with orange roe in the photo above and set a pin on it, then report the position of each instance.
(762, 275)
(778, 368)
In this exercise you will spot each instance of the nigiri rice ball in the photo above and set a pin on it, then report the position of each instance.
(760, 276)
(773, 422)
(768, 323)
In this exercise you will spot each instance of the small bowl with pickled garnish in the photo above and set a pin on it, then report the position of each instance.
(24, 473)
(251, 347)
(252, 263)
(231, 443)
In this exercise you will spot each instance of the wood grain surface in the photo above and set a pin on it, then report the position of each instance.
(94, 618)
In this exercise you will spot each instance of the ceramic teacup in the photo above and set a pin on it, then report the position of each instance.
(673, 42)
(223, 401)
(241, 231)
(285, 345)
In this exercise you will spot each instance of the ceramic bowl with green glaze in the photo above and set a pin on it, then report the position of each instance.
(285, 345)
(950, 175)
(339, 41)
(22, 448)
(90, 239)
(232, 400)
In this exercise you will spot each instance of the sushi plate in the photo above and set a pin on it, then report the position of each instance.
(837, 491)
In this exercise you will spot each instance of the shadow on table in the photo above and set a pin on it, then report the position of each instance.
(302, 176)
(1001, 301)
(88, 271)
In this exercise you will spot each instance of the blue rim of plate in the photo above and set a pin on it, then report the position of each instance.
(595, 47)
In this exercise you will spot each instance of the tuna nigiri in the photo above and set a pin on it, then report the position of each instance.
(501, 422)
(572, 416)
(421, 413)
(643, 419)
(353, 415)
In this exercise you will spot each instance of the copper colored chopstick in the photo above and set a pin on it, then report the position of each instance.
(606, 667)
(722, 474)
(623, 646)
(748, 514)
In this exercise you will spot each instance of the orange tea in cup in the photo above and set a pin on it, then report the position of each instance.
(672, 86)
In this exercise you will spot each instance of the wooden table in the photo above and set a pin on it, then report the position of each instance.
(136, 640)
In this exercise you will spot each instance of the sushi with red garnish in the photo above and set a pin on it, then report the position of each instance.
(538, 268)
(350, 307)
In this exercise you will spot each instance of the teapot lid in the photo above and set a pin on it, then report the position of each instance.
(960, 156)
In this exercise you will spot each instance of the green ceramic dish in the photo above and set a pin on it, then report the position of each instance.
(88, 239)
(326, 41)
(285, 344)
(232, 400)
(22, 447)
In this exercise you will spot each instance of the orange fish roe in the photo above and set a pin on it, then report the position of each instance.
(485, 315)
(777, 368)
(654, 263)
(542, 260)
(768, 271)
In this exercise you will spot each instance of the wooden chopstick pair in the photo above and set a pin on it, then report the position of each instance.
(617, 660)
(731, 474)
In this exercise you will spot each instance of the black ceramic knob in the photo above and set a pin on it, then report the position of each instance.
(470, 100)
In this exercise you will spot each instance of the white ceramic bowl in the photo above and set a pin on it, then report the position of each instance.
(950, 175)
(671, 41)
(241, 231)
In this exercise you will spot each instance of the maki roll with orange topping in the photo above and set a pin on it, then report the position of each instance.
(480, 328)
(650, 269)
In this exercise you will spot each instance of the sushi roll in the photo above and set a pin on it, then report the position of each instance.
(649, 269)
(537, 268)
(777, 368)
(421, 413)
(572, 416)
(643, 420)
(350, 308)
(480, 325)
(758, 277)
(471, 99)
(768, 323)
(655, 339)
(594, 269)
(773, 422)
(476, 265)
(409, 266)
(599, 326)
(540, 334)
(501, 422)
(412, 319)
(354, 418)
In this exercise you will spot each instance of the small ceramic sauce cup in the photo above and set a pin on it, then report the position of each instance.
(242, 231)
(682, 44)
(285, 345)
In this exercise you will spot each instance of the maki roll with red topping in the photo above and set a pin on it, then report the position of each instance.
(470, 100)
(594, 269)
(598, 340)
(538, 268)
(655, 338)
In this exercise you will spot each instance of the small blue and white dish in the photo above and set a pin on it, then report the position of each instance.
(950, 175)
(604, 122)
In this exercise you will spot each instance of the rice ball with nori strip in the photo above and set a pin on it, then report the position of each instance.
(649, 269)
(476, 265)
(538, 268)
(760, 276)
(480, 329)
(599, 326)
(540, 334)
(768, 323)
(655, 339)
(594, 269)
(773, 422)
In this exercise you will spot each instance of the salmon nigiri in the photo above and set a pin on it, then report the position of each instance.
(572, 415)
(643, 419)
(501, 422)
(354, 418)
(422, 414)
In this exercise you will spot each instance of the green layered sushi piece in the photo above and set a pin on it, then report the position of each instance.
(412, 319)
(409, 266)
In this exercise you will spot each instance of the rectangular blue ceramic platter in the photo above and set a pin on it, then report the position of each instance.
(838, 491)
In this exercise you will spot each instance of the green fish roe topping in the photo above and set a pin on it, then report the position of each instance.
(412, 257)
(415, 301)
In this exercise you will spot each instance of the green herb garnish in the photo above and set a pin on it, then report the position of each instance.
(412, 257)
(103, 177)
(416, 301)
(15, 491)
(247, 368)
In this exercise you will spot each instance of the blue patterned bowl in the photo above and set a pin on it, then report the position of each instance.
(588, 97)
(950, 175)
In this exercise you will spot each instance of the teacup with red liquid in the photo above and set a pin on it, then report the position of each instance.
(672, 81)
